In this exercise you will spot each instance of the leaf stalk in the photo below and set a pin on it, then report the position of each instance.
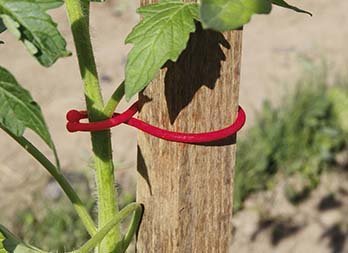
(61, 180)
(123, 214)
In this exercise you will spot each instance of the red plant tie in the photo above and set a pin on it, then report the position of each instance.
(74, 125)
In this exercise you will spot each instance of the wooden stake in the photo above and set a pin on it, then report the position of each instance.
(187, 189)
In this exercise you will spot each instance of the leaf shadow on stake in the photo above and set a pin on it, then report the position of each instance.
(198, 65)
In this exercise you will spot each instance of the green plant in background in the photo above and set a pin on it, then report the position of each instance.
(339, 97)
(58, 228)
(298, 139)
(160, 36)
(53, 224)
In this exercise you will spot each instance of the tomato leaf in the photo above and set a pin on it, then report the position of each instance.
(2, 247)
(49, 4)
(28, 21)
(9, 243)
(224, 15)
(161, 36)
(2, 26)
(44, 4)
(19, 111)
(284, 4)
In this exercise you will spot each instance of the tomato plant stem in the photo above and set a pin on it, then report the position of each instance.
(61, 180)
(101, 141)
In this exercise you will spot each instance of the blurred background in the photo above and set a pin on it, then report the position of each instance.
(291, 191)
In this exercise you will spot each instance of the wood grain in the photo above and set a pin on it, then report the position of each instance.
(187, 189)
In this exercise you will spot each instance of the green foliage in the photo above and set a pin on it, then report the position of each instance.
(2, 26)
(164, 32)
(18, 110)
(52, 223)
(161, 36)
(298, 140)
(284, 4)
(55, 227)
(29, 23)
(2, 29)
(49, 4)
(224, 15)
(339, 98)
(2, 239)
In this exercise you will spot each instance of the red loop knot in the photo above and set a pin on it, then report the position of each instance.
(73, 116)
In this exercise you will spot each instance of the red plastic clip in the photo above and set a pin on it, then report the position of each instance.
(74, 125)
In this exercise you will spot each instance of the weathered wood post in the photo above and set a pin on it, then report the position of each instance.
(187, 189)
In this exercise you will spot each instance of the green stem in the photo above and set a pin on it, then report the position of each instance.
(96, 239)
(61, 180)
(133, 228)
(114, 100)
(101, 141)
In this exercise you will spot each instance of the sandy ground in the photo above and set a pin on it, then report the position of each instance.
(276, 50)
(270, 224)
